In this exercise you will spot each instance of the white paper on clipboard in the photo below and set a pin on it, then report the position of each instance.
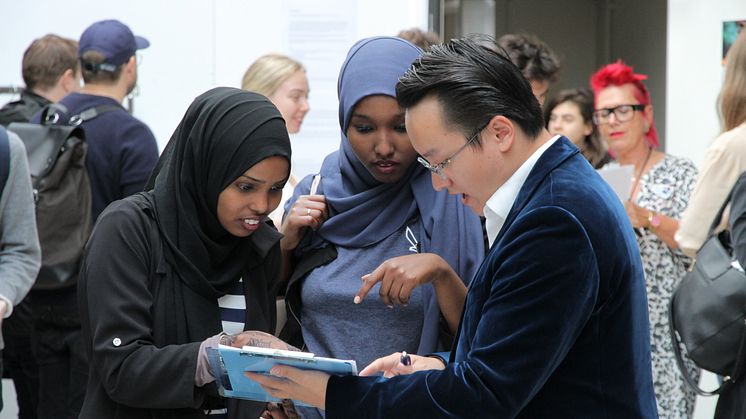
(619, 178)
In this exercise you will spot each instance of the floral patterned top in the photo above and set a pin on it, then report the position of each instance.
(665, 188)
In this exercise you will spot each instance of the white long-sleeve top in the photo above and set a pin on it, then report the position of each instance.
(724, 161)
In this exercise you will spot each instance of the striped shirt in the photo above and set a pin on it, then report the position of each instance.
(232, 315)
(233, 309)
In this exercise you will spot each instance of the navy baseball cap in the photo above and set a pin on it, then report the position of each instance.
(114, 40)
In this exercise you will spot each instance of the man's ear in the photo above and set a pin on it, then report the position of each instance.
(130, 67)
(501, 130)
(68, 82)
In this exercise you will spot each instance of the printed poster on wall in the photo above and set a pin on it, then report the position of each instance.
(731, 29)
(319, 35)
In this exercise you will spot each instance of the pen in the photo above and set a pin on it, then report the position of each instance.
(315, 183)
(405, 359)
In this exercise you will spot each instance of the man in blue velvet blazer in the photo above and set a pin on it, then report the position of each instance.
(555, 322)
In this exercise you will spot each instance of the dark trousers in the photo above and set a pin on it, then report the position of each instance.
(732, 402)
(58, 343)
(19, 360)
(1, 384)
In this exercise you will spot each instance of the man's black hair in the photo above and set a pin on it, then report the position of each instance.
(473, 80)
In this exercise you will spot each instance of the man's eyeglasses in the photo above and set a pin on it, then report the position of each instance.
(438, 168)
(622, 113)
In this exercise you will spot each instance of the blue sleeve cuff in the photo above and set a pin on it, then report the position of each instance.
(442, 356)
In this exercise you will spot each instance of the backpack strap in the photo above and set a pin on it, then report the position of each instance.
(93, 112)
(50, 115)
(4, 159)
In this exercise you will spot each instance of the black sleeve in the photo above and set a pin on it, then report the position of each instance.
(116, 307)
(738, 220)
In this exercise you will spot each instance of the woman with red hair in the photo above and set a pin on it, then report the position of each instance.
(660, 191)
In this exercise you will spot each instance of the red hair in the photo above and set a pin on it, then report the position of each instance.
(619, 74)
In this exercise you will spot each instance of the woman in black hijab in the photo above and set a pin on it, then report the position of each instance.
(157, 262)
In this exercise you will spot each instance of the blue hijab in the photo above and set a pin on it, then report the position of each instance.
(364, 211)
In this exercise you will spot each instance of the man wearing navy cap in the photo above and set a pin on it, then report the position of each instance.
(122, 151)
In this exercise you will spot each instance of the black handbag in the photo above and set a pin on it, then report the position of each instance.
(707, 312)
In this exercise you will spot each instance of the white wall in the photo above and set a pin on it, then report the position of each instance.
(199, 44)
(695, 72)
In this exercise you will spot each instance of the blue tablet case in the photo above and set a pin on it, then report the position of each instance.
(229, 364)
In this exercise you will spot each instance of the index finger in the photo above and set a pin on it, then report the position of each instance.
(381, 365)
(369, 281)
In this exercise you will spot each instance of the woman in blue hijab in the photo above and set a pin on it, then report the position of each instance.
(374, 219)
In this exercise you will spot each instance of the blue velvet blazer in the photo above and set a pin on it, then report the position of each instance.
(555, 323)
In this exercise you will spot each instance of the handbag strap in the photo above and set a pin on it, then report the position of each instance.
(719, 216)
(727, 380)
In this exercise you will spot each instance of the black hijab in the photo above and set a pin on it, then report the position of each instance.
(224, 132)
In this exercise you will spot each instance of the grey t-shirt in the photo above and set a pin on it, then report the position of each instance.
(333, 326)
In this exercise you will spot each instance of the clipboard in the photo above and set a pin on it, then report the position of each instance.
(619, 178)
(229, 364)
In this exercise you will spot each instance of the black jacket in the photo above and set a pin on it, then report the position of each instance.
(732, 402)
(135, 372)
(22, 110)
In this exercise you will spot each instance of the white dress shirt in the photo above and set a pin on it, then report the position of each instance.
(500, 203)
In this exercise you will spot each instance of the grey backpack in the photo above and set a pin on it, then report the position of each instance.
(56, 150)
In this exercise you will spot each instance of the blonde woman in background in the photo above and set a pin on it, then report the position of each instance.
(725, 158)
(283, 81)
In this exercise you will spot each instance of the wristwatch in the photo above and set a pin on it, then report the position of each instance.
(654, 220)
